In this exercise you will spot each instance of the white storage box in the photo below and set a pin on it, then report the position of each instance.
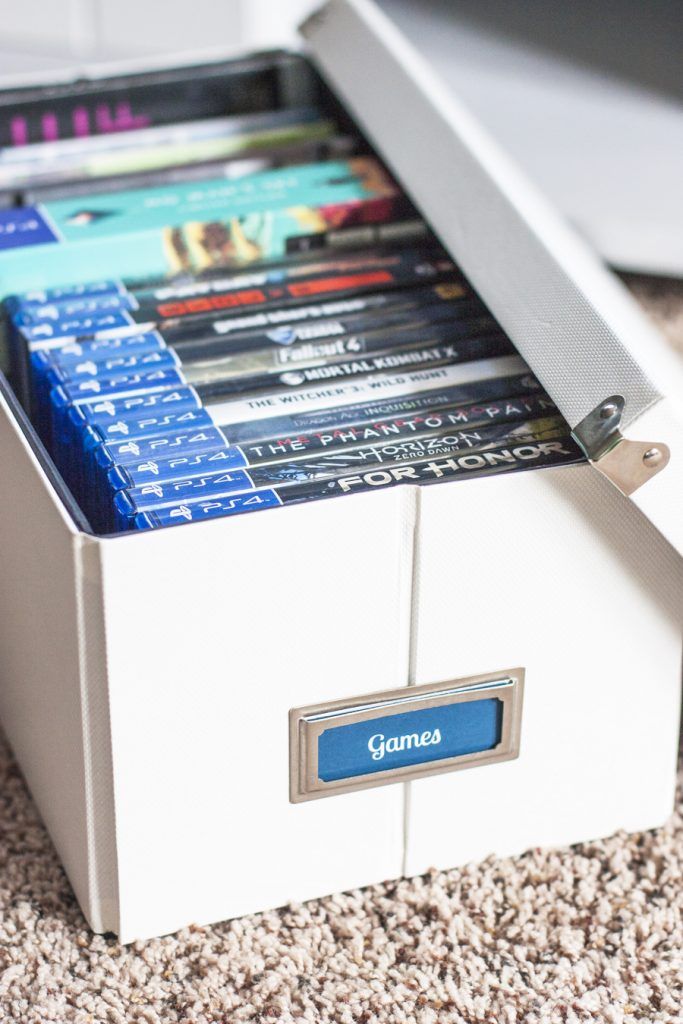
(150, 682)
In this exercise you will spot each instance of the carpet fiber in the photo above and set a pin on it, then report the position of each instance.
(593, 933)
(588, 934)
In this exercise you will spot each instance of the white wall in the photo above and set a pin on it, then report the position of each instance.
(40, 32)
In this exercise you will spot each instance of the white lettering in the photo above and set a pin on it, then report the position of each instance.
(378, 745)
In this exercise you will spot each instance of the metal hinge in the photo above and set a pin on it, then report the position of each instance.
(628, 464)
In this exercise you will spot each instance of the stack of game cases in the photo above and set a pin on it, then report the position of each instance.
(285, 332)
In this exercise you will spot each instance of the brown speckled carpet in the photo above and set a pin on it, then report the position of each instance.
(588, 934)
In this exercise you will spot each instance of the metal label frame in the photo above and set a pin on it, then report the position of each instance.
(307, 723)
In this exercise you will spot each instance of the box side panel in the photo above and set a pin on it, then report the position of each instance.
(661, 498)
(213, 634)
(103, 911)
(557, 572)
(39, 650)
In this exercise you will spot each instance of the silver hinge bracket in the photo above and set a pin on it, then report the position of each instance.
(628, 464)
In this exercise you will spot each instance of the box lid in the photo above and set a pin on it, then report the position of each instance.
(614, 378)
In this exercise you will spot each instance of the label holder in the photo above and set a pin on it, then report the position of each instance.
(307, 724)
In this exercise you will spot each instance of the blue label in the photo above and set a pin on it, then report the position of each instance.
(180, 513)
(40, 298)
(157, 423)
(168, 492)
(410, 738)
(93, 388)
(79, 369)
(73, 352)
(24, 226)
(163, 445)
(188, 465)
(27, 316)
(109, 409)
(76, 327)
